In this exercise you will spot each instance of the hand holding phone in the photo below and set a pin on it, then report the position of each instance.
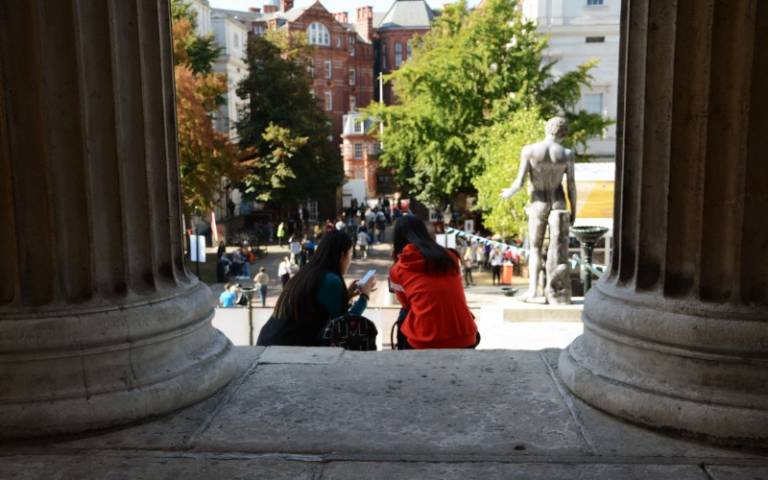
(367, 284)
(368, 275)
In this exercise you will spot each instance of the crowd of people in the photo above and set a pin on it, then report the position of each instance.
(427, 279)
(483, 257)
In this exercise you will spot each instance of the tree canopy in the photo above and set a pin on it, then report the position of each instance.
(283, 131)
(205, 155)
(499, 151)
(459, 98)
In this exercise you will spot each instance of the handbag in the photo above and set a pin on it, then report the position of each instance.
(350, 332)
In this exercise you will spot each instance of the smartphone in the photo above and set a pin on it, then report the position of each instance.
(368, 275)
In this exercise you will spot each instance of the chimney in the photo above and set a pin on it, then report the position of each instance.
(286, 5)
(341, 17)
(365, 22)
(255, 9)
(270, 8)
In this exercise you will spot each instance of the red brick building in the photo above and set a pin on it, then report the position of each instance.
(348, 58)
(343, 59)
(394, 33)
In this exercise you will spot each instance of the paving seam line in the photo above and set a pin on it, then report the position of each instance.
(703, 467)
(568, 403)
(701, 462)
(188, 443)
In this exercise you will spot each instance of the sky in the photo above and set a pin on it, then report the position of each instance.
(332, 5)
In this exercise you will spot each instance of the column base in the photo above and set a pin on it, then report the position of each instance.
(614, 367)
(130, 363)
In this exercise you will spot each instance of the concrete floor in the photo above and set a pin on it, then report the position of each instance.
(328, 414)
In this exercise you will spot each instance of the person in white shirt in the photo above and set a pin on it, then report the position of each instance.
(496, 259)
(362, 242)
(261, 282)
(479, 256)
(469, 257)
(284, 271)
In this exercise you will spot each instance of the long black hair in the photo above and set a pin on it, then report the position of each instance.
(411, 230)
(297, 301)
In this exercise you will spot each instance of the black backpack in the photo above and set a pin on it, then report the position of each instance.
(350, 332)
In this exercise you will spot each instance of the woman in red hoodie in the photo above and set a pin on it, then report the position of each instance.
(427, 281)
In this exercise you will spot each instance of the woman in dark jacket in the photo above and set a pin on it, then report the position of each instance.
(427, 281)
(315, 295)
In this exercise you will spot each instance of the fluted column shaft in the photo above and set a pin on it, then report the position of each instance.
(676, 333)
(100, 322)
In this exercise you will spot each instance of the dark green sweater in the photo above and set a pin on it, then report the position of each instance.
(332, 290)
(306, 331)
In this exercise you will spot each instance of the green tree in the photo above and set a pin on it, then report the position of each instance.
(283, 131)
(474, 70)
(195, 52)
(205, 155)
(499, 151)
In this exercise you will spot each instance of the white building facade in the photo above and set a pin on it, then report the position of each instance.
(232, 37)
(202, 9)
(582, 30)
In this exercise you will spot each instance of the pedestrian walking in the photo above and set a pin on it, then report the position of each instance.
(280, 233)
(284, 271)
(479, 257)
(362, 242)
(381, 225)
(261, 282)
(295, 248)
(496, 259)
(469, 255)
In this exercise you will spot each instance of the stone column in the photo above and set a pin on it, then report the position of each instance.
(676, 333)
(100, 322)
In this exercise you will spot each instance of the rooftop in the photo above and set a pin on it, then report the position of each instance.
(406, 14)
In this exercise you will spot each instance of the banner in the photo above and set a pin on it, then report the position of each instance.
(197, 248)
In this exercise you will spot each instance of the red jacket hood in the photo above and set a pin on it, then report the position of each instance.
(411, 259)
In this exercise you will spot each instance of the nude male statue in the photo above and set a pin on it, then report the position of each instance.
(545, 163)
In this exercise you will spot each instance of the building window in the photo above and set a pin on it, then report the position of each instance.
(359, 127)
(338, 42)
(593, 103)
(358, 151)
(595, 39)
(594, 2)
(352, 103)
(384, 56)
(311, 68)
(328, 101)
(409, 48)
(317, 34)
(352, 77)
(398, 54)
(328, 69)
